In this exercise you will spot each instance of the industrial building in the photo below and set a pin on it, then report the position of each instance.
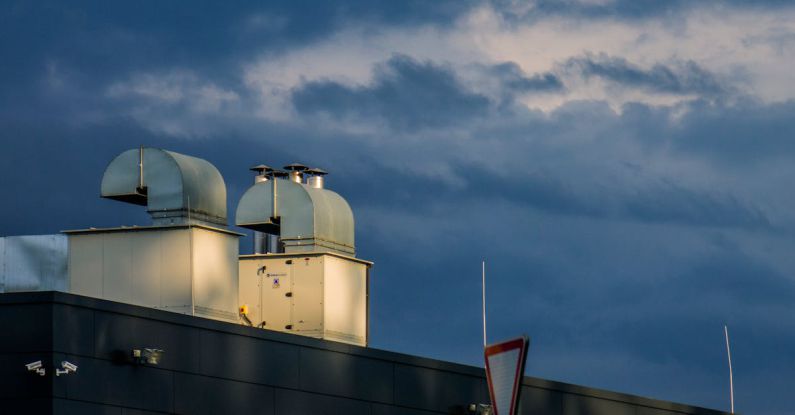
(170, 318)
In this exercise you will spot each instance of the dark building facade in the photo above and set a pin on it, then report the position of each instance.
(212, 367)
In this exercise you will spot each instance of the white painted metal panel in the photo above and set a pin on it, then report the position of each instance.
(345, 299)
(117, 266)
(249, 288)
(215, 280)
(175, 277)
(85, 264)
(185, 270)
(308, 295)
(147, 265)
(276, 282)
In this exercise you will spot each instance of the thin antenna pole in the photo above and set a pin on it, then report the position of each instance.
(483, 269)
(190, 244)
(141, 168)
(729, 354)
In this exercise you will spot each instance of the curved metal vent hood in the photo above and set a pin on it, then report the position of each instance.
(175, 188)
(306, 219)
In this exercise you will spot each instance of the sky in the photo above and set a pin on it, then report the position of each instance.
(625, 167)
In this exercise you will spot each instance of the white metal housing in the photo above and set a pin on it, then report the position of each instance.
(189, 269)
(317, 294)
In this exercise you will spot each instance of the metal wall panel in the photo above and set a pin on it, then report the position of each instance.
(17, 383)
(26, 328)
(249, 290)
(317, 294)
(540, 401)
(175, 283)
(382, 409)
(72, 329)
(342, 374)
(215, 367)
(147, 263)
(290, 402)
(85, 265)
(642, 410)
(215, 281)
(436, 390)
(308, 295)
(227, 397)
(345, 299)
(587, 405)
(33, 263)
(115, 336)
(117, 266)
(249, 359)
(181, 269)
(276, 283)
(131, 386)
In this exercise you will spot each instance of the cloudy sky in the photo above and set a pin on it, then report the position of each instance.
(624, 166)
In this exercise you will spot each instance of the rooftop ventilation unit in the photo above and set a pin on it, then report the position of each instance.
(309, 282)
(306, 218)
(185, 263)
(175, 188)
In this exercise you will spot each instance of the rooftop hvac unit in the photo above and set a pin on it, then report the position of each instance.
(185, 262)
(309, 282)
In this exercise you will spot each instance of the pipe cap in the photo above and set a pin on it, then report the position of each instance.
(295, 167)
(261, 169)
(316, 172)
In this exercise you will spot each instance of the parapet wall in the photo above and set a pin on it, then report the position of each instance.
(212, 367)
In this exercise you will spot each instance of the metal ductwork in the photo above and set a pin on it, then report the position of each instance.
(305, 218)
(175, 188)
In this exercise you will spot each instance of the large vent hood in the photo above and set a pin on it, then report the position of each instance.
(175, 188)
(306, 219)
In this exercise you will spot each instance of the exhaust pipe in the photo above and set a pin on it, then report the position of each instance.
(315, 179)
(296, 172)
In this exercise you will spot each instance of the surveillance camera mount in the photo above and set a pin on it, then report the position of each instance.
(68, 368)
(36, 367)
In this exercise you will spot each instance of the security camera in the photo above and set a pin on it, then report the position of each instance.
(36, 367)
(68, 368)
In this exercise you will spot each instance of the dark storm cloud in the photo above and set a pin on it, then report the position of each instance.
(407, 93)
(93, 43)
(678, 78)
(514, 79)
(654, 202)
(622, 9)
(739, 136)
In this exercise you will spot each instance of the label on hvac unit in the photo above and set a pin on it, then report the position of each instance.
(504, 370)
(275, 283)
(280, 274)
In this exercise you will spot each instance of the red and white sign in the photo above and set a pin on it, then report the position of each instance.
(504, 371)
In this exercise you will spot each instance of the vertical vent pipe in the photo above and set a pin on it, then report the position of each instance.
(296, 172)
(315, 179)
(261, 239)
